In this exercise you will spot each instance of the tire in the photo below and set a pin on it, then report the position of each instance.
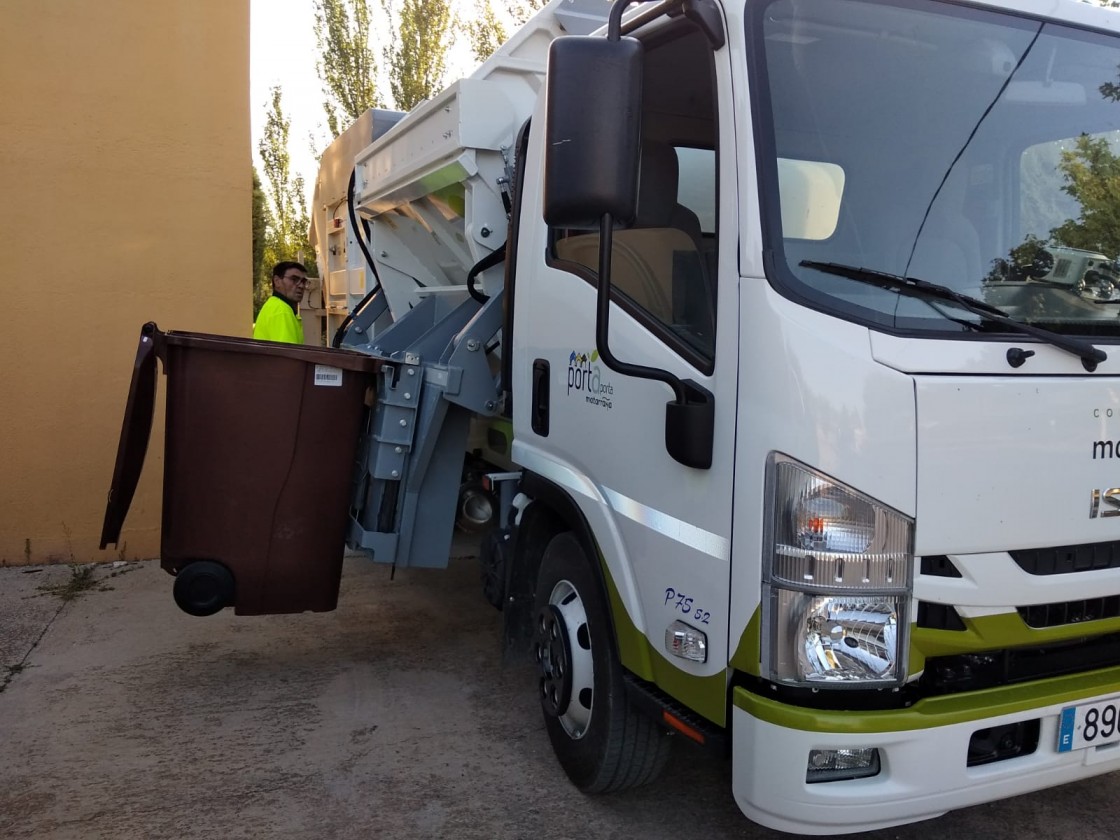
(601, 741)
(203, 588)
(493, 559)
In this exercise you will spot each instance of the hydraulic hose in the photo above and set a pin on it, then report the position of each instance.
(358, 235)
(489, 261)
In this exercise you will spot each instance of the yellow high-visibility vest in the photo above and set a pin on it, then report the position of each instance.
(277, 321)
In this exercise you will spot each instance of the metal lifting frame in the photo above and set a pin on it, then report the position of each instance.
(435, 379)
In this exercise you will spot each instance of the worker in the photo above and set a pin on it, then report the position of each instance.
(279, 318)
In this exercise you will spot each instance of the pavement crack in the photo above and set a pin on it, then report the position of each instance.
(10, 671)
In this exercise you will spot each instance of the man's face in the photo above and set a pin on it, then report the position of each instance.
(292, 284)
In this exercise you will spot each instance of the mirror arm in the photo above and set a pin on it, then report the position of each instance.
(690, 418)
(614, 21)
(603, 308)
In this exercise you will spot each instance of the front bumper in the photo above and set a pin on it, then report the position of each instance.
(923, 751)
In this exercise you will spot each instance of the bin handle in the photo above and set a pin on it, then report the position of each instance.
(136, 431)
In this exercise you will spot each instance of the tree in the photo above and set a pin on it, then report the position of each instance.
(490, 28)
(417, 58)
(485, 31)
(1110, 90)
(345, 66)
(522, 10)
(276, 159)
(261, 222)
(1092, 173)
(286, 231)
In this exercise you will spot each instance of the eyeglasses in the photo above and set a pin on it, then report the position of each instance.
(297, 279)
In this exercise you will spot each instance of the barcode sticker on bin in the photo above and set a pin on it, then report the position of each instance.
(328, 376)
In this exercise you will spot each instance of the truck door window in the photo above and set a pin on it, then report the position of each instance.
(663, 266)
(696, 185)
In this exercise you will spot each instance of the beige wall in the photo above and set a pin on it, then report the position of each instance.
(124, 197)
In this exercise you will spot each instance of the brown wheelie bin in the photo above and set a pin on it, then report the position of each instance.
(260, 449)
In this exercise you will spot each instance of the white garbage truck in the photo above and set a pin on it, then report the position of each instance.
(700, 295)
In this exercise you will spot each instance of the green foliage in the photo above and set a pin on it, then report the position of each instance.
(1092, 173)
(1110, 90)
(485, 31)
(288, 222)
(1022, 255)
(345, 66)
(282, 189)
(417, 58)
(261, 221)
(522, 10)
(1042, 200)
(490, 27)
(82, 579)
(262, 284)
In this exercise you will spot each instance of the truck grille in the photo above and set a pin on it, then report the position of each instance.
(933, 616)
(938, 565)
(1071, 612)
(1066, 559)
(960, 673)
(974, 671)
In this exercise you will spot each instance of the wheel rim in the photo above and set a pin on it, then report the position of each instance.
(563, 651)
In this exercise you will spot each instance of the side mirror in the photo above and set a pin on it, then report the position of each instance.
(592, 131)
(593, 127)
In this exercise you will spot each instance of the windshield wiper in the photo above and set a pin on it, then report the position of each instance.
(1090, 356)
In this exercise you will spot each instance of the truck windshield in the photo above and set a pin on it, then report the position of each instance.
(972, 149)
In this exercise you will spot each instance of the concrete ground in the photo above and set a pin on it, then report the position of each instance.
(121, 717)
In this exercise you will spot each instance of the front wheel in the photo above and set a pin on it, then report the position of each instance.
(602, 743)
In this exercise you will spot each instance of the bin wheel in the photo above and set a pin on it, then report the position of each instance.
(203, 588)
(603, 743)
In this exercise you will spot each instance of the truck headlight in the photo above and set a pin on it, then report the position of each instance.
(837, 582)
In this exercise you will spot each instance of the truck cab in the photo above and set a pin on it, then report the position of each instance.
(894, 585)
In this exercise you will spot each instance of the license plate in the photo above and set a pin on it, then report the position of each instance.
(1089, 725)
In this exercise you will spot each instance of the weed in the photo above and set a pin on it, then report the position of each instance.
(81, 580)
(69, 543)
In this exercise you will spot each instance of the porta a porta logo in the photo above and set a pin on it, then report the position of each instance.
(585, 376)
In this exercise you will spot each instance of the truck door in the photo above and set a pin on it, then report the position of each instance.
(663, 529)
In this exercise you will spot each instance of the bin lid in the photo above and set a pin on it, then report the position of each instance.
(345, 359)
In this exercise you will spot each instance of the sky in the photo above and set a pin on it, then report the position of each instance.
(282, 51)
